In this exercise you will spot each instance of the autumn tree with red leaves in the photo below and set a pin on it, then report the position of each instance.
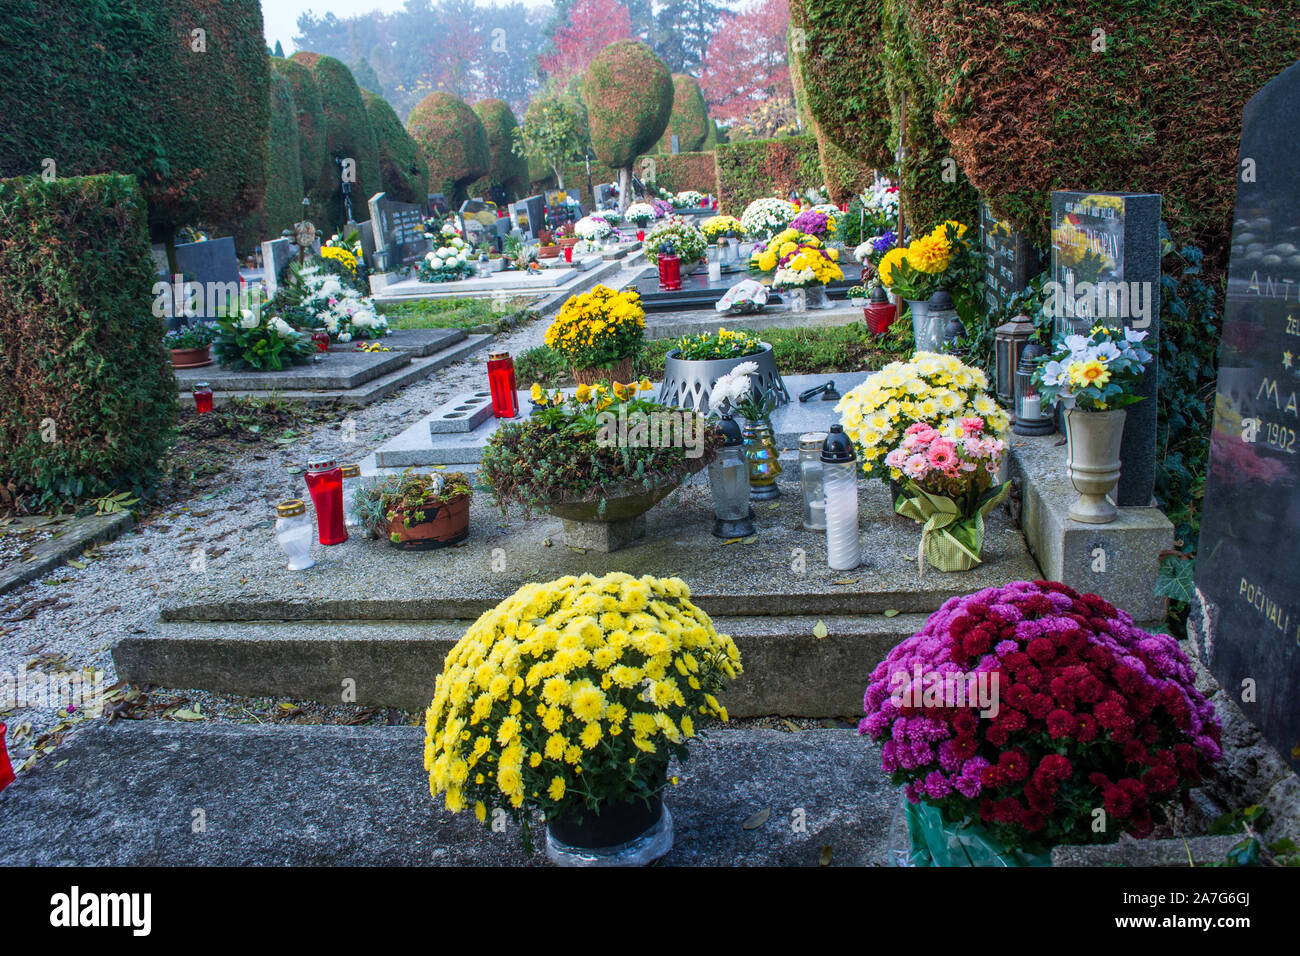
(745, 64)
(592, 26)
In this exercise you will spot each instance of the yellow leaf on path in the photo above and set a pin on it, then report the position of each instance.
(824, 858)
(891, 613)
(819, 630)
(758, 819)
(790, 725)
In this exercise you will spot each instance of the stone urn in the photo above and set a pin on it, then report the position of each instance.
(687, 382)
(616, 519)
(1092, 461)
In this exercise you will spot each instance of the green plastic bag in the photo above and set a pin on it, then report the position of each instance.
(935, 843)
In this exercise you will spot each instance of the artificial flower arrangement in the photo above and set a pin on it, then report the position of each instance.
(764, 218)
(926, 264)
(600, 329)
(450, 261)
(816, 222)
(722, 344)
(312, 298)
(1092, 712)
(937, 390)
(688, 198)
(572, 696)
(611, 216)
(640, 213)
(721, 227)
(949, 480)
(594, 228)
(688, 241)
(562, 452)
(1094, 372)
(796, 260)
(255, 337)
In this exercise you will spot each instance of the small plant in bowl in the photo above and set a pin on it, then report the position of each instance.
(191, 346)
(417, 512)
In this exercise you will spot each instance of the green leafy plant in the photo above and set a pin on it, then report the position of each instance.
(1252, 850)
(260, 340)
(408, 498)
(115, 503)
(722, 344)
(191, 336)
(554, 130)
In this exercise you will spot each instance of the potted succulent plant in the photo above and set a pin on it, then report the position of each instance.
(417, 512)
(191, 346)
(521, 722)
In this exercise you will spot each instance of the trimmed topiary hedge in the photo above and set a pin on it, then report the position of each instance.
(689, 120)
(90, 399)
(756, 168)
(674, 172)
(505, 168)
(281, 206)
(348, 135)
(1030, 106)
(453, 141)
(311, 118)
(403, 173)
(629, 96)
(118, 87)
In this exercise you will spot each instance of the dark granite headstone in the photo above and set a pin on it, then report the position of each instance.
(1106, 269)
(366, 234)
(398, 230)
(1010, 259)
(529, 215)
(1248, 556)
(211, 270)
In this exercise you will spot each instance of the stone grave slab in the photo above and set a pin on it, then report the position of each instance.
(416, 447)
(415, 342)
(339, 371)
(276, 254)
(509, 283)
(698, 291)
(464, 413)
(1248, 557)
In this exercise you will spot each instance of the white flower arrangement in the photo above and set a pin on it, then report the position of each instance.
(785, 278)
(340, 310)
(688, 198)
(764, 218)
(592, 227)
(640, 213)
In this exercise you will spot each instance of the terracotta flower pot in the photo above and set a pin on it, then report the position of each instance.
(548, 252)
(444, 525)
(191, 358)
(621, 372)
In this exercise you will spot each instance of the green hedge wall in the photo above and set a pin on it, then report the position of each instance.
(674, 172)
(115, 87)
(403, 172)
(80, 349)
(453, 141)
(505, 168)
(281, 205)
(348, 134)
(1030, 107)
(628, 93)
(689, 120)
(756, 168)
(311, 118)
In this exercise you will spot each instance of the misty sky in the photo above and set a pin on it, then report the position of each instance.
(281, 16)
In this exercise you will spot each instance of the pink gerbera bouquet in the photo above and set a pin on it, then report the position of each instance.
(1066, 707)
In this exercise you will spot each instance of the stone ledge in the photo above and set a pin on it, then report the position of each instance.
(78, 534)
(1067, 549)
(1192, 851)
(123, 794)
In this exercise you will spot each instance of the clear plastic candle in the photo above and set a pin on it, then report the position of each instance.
(293, 531)
(840, 484)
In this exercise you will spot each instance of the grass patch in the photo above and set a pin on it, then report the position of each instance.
(464, 314)
(800, 351)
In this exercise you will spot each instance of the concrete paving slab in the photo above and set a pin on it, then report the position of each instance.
(415, 342)
(338, 371)
(124, 794)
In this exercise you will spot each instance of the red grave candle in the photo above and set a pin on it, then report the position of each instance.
(501, 383)
(202, 397)
(325, 482)
(6, 768)
(322, 340)
(670, 272)
(640, 235)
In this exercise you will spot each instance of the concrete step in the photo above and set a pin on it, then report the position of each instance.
(129, 793)
(788, 671)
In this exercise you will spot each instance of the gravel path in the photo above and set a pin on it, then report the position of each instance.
(69, 620)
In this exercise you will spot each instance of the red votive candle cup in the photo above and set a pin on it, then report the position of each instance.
(325, 483)
(6, 768)
(640, 235)
(501, 384)
(568, 253)
(202, 397)
(670, 272)
(322, 340)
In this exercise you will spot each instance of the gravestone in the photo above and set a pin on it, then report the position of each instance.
(1248, 556)
(438, 205)
(529, 214)
(1010, 260)
(213, 268)
(276, 255)
(366, 235)
(477, 221)
(398, 229)
(1106, 269)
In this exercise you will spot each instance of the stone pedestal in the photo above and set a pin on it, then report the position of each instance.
(603, 536)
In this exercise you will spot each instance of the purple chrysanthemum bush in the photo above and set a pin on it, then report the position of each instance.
(1047, 716)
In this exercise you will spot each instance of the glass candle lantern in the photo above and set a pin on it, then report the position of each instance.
(501, 383)
(351, 485)
(484, 266)
(293, 532)
(640, 235)
(840, 484)
(322, 340)
(325, 482)
(810, 479)
(729, 481)
(1033, 415)
(1009, 341)
(670, 268)
(202, 397)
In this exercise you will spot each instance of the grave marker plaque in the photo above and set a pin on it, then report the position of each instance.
(212, 266)
(1248, 556)
(398, 231)
(1010, 259)
(1106, 270)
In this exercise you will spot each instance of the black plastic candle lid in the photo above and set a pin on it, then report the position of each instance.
(837, 447)
(730, 431)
